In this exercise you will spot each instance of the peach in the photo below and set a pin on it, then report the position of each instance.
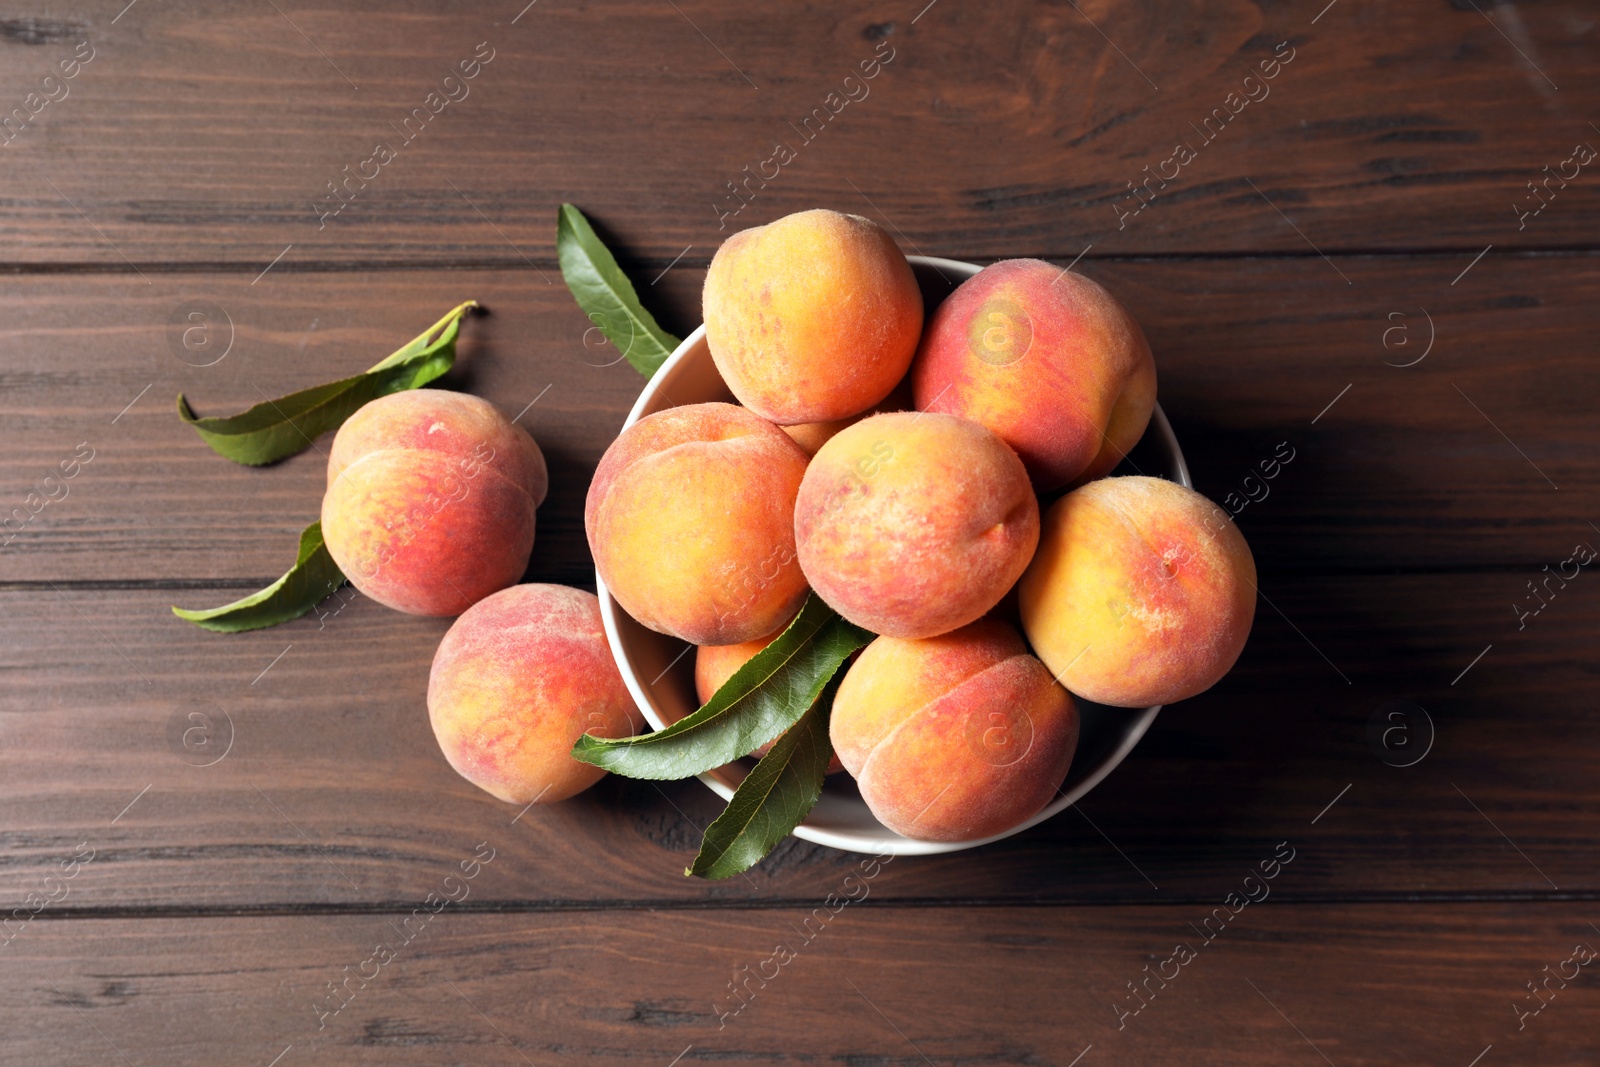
(690, 519)
(430, 501)
(913, 525)
(956, 737)
(518, 678)
(811, 436)
(1045, 358)
(715, 664)
(813, 317)
(1142, 592)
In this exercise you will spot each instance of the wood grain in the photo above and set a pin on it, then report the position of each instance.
(884, 985)
(1438, 465)
(263, 809)
(201, 136)
(333, 793)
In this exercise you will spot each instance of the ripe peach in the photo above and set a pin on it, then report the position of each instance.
(517, 679)
(1142, 592)
(715, 664)
(813, 317)
(430, 501)
(955, 737)
(1048, 360)
(691, 521)
(914, 524)
(811, 436)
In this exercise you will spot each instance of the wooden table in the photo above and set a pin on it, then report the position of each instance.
(1350, 264)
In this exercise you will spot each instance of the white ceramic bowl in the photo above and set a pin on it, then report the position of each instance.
(659, 670)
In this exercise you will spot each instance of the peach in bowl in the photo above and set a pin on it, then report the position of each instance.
(659, 669)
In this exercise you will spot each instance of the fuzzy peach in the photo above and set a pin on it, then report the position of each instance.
(690, 518)
(956, 737)
(914, 524)
(430, 501)
(518, 678)
(1142, 592)
(813, 317)
(811, 436)
(1047, 359)
(715, 664)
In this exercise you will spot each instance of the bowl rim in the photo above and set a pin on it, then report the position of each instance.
(889, 843)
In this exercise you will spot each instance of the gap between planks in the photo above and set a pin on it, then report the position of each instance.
(649, 263)
(762, 904)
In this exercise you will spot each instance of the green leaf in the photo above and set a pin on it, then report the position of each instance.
(763, 698)
(273, 429)
(313, 576)
(606, 296)
(773, 798)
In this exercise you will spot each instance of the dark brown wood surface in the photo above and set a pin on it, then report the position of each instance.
(209, 135)
(334, 794)
(856, 985)
(1362, 214)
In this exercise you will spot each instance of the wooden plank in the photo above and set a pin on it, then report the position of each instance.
(1443, 860)
(1015, 129)
(333, 793)
(1361, 985)
(154, 502)
(1439, 464)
